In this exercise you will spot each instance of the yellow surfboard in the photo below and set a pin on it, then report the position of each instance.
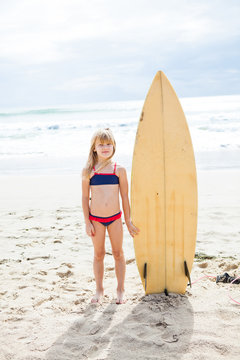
(164, 192)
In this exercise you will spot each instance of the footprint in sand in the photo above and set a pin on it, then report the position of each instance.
(26, 217)
(65, 274)
(203, 265)
(129, 261)
(79, 301)
(95, 329)
(40, 302)
(42, 272)
(231, 267)
(70, 266)
(69, 288)
(170, 338)
(3, 293)
(161, 324)
(3, 261)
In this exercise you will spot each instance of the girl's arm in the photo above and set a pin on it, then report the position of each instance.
(133, 230)
(85, 203)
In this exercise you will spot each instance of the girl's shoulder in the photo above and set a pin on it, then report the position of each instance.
(85, 173)
(120, 170)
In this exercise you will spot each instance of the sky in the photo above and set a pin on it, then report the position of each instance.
(60, 52)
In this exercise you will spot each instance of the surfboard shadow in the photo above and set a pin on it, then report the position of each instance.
(158, 327)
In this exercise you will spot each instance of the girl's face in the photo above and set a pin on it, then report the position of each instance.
(104, 149)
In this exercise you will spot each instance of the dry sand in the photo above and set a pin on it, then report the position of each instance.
(47, 281)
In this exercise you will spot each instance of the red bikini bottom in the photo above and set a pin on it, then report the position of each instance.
(105, 220)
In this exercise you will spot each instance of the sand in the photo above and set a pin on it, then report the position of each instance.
(47, 281)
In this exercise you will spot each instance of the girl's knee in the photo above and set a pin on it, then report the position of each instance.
(99, 256)
(118, 255)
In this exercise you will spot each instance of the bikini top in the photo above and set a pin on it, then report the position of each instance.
(104, 179)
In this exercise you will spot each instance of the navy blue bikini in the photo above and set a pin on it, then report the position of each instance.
(105, 179)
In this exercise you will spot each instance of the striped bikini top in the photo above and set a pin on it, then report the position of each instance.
(104, 179)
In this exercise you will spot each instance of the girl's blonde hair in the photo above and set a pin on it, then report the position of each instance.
(103, 135)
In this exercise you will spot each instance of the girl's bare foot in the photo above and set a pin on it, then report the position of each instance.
(97, 298)
(120, 297)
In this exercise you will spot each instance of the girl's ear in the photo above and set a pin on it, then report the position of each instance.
(94, 149)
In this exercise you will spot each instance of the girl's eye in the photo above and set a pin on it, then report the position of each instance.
(101, 145)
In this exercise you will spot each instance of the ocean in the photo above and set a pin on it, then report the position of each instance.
(56, 140)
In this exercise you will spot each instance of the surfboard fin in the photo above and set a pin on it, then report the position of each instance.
(145, 275)
(187, 273)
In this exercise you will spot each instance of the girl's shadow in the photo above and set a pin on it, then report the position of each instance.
(158, 327)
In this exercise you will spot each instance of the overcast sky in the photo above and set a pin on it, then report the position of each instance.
(57, 52)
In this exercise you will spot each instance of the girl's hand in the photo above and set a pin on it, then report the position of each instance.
(133, 230)
(90, 229)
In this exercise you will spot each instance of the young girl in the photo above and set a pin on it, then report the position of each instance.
(105, 179)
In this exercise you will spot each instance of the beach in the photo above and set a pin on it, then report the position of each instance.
(47, 280)
(68, 69)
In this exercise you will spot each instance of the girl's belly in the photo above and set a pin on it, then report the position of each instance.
(104, 200)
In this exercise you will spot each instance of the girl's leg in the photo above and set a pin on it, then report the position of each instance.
(115, 231)
(98, 262)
